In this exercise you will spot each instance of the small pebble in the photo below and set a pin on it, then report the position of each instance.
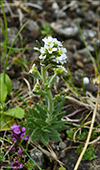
(86, 80)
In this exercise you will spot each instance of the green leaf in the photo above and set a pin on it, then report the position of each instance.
(45, 138)
(36, 135)
(48, 80)
(36, 76)
(3, 91)
(60, 115)
(62, 168)
(41, 122)
(89, 153)
(37, 132)
(57, 138)
(39, 93)
(34, 113)
(43, 113)
(57, 125)
(82, 136)
(54, 118)
(7, 82)
(70, 133)
(59, 106)
(6, 122)
(54, 135)
(46, 26)
(17, 112)
(1, 156)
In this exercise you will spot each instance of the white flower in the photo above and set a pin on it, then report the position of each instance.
(63, 68)
(37, 83)
(42, 50)
(50, 48)
(56, 42)
(62, 50)
(43, 53)
(42, 57)
(35, 48)
(30, 71)
(32, 68)
(49, 40)
(60, 69)
(61, 59)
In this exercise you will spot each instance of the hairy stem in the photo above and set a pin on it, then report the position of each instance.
(48, 94)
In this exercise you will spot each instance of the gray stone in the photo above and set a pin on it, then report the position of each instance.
(38, 157)
(89, 34)
(62, 145)
(12, 32)
(32, 25)
(64, 29)
(15, 84)
(63, 154)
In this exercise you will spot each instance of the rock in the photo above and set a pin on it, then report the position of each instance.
(63, 154)
(55, 6)
(77, 56)
(57, 13)
(33, 28)
(12, 32)
(95, 3)
(71, 44)
(15, 84)
(89, 34)
(62, 28)
(38, 157)
(32, 25)
(80, 64)
(62, 145)
(84, 54)
(70, 59)
(91, 87)
(89, 16)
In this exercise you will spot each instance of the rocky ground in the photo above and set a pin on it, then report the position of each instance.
(63, 16)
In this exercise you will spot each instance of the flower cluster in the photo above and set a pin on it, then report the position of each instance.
(17, 133)
(17, 161)
(16, 165)
(52, 52)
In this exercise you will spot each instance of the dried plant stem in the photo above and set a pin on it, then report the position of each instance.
(90, 131)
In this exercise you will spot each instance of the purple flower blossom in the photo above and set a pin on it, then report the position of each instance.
(23, 129)
(16, 130)
(17, 133)
(11, 163)
(13, 149)
(26, 137)
(14, 139)
(16, 164)
(19, 152)
(15, 126)
(21, 165)
(11, 134)
(22, 135)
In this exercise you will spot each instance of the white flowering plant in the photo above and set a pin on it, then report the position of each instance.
(45, 120)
